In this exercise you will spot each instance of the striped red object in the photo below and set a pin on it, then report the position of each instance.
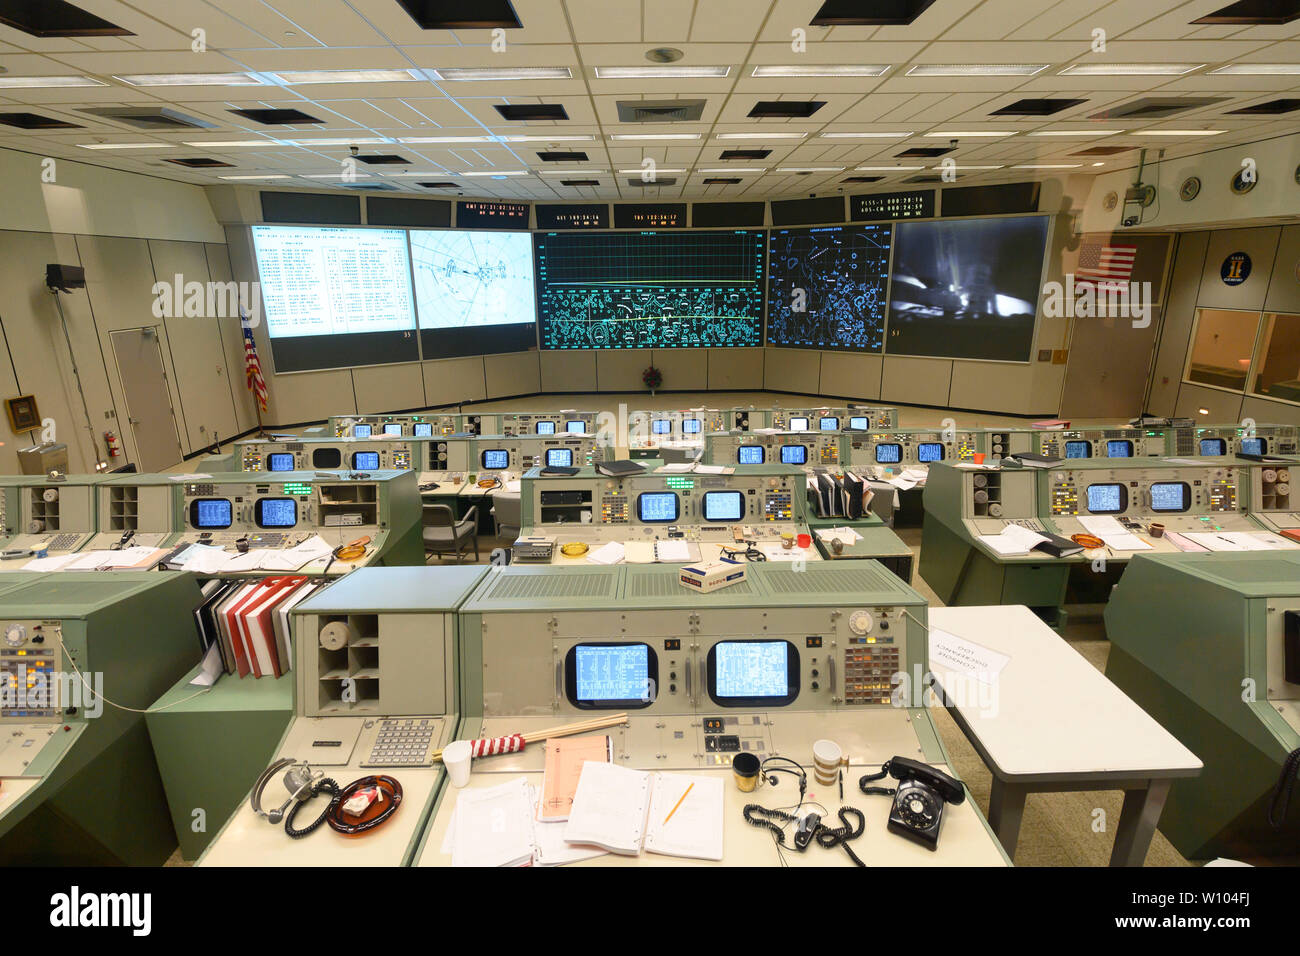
(1105, 266)
(253, 368)
(496, 745)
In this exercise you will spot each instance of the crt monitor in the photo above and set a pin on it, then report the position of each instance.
(393, 428)
(657, 507)
(365, 460)
(611, 676)
(1213, 446)
(211, 514)
(691, 426)
(327, 457)
(829, 423)
(1254, 446)
(859, 422)
(1171, 497)
(279, 461)
(928, 451)
(1110, 498)
(276, 512)
(361, 431)
(495, 459)
(798, 424)
(559, 457)
(750, 455)
(546, 428)
(578, 426)
(422, 429)
(794, 454)
(1078, 449)
(753, 673)
(724, 506)
(1119, 448)
(661, 426)
(889, 453)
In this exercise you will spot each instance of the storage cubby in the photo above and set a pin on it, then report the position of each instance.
(354, 663)
(349, 504)
(1275, 489)
(123, 508)
(987, 492)
(44, 511)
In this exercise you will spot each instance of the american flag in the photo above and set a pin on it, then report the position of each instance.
(1106, 267)
(253, 367)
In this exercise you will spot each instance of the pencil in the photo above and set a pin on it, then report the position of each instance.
(679, 803)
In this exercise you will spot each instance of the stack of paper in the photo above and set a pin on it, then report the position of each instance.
(611, 553)
(847, 535)
(565, 757)
(1013, 540)
(1239, 540)
(493, 826)
(1116, 536)
(672, 552)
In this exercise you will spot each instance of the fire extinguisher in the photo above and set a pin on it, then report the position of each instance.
(114, 448)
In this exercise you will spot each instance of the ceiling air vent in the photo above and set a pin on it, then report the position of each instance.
(1247, 12)
(199, 162)
(1157, 107)
(785, 109)
(862, 179)
(442, 185)
(55, 18)
(384, 159)
(1271, 108)
(927, 178)
(638, 184)
(280, 117)
(35, 121)
(579, 182)
(558, 156)
(720, 181)
(660, 111)
(147, 117)
(462, 14)
(925, 151)
(370, 187)
(524, 112)
(1037, 107)
(1103, 150)
(745, 154)
(869, 13)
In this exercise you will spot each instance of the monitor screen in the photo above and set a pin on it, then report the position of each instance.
(749, 673)
(794, 454)
(661, 426)
(1078, 449)
(928, 451)
(750, 455)
(829, 423)
(613, 676)
(798, 424)
(860, 422)
(1171, 496)
(1253, 446)
(1121, 448)
(657, 507)
(422, 430)
(1108, 499)
(546, 428)
(496, 459)
(327, 458)
(472, 280)
(211, 513)
(276, 513)
(889, 453)
(365, 460)
(724, 505)
(559, 457)
(361, 431)
(690, 426)
(279, 461)
(578, 426)
(393, 428)
(1214, 446)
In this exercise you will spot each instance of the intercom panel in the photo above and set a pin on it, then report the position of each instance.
(34, 678)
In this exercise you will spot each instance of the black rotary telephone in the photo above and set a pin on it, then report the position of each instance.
(919, 799)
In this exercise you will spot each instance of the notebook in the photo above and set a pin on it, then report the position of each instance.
(493, 826)
(626, 811)
(564, 759)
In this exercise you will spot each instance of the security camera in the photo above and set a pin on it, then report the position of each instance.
(354, 150)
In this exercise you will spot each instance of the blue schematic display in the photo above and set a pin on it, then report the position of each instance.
(212, 513)
(559, 457)
(1105, 499)
(1170, 496)
(496, 459)
(363, 460)
(828, 424)
(749, 455)
(577, 425)
(1078, 449)
(794, 454)
(859, 422)
(657, 506)
(723, 505)
(361, 431)
(1119, 449)
(393, 428)
(661, 426)
(423, 430)
(889, 453)
(279, 461)
(690, 426)
(827, 287)
(1252, 446)
(276, 513)
(634, 290)
(1214, 446)
(546, 428)
(612, 672)
(928, 451)
(752, 669)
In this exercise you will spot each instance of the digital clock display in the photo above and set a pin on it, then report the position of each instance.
(883, 207)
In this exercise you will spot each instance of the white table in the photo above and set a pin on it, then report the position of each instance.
(1049, 721)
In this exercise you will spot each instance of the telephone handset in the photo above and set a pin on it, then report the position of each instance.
(919, 799)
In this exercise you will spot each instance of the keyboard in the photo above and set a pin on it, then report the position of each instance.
(403, 742)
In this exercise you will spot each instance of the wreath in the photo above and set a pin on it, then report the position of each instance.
(652, 378)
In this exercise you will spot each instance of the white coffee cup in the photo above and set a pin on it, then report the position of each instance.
(828, 758)
(457, 758)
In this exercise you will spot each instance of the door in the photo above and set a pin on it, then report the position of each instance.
(148, 403)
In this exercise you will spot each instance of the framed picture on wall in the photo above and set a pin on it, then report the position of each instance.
(23, 415)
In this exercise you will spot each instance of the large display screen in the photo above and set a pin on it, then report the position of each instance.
(966, 289)
(827, 287)
(474, 291)
(611, 675)
(655, 507)
(753, 672)
(1107, 499)
(335, 297)
(650, 289)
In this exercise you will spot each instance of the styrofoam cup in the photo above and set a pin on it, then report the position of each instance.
(457, 758)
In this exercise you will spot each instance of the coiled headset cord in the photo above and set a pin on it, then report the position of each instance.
(1286, 781)
(324, 785)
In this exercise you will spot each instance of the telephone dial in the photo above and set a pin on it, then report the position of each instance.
(919, 799)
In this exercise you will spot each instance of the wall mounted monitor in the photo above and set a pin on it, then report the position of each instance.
(559, 457)
(1119, 448)
(657, 507)
(211, 514)
(753, 673)
(827, 287)
(335, 297)
(928, 451)
(279, 461)
(889, 453)
(276, 512)
(600, 676)
(624, 290)
(474, 291)
(1107, 499)
(716, 215)
(795, 212)
(1171, 497)
(491, 214)
(794, 454)
(750, 455)
(1213, 446)
(998, 200)
(365, 460)
(573, 216)
(724, 506)
(495, 459)
(966, 289)
(1078, 449)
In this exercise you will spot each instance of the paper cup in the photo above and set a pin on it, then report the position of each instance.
(457, 758)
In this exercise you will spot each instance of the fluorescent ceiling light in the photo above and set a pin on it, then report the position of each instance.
(347, 176)
(1076, 132)
(268, 176)
(413, 140)
(46, 82)
(227, 143)
(1049, 166)
(864, 135)
(587, 138)
(650, 169)
(760, 135)
(1259, 69)
(970, 134)
(339, 141)
(449, 140)
(127, 145)
(304, 77)
(468, 74)
(977, 69)
(426, 175)
(736, 169)
(1130, 69)
(189, 79)
(638, 137)
(870, 70)
(658, 72)
(810, 169)
(494, 172)
(941, 166)
(1181, 132)
(886, 169)
(569, 172)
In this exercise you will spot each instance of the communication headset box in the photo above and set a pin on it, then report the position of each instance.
(711, 577)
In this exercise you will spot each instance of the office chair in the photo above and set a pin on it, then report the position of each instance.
(443, 534)
(507, 514)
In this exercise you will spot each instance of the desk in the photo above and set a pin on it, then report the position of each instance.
(709, 551)
(877, 542)
(1056, 724)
